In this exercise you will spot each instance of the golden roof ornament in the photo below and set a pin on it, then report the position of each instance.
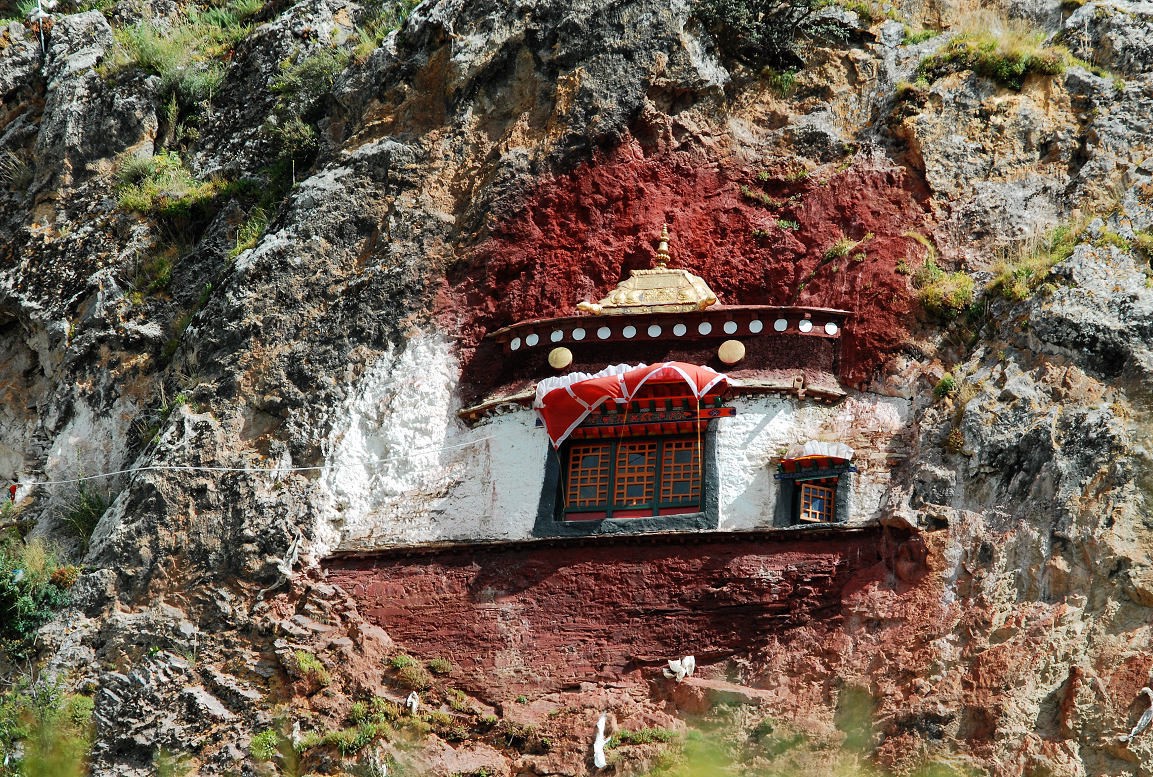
(659, 290)
(663, 247)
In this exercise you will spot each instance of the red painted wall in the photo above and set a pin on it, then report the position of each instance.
(534, 617)
(576, 235)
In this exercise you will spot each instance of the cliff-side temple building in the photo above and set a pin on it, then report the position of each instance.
(656, 409)
(704, 456)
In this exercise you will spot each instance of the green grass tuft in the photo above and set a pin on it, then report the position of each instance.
(308, 667)
(161, 185)
(265, 746)
(83, 511)
(250, 232)
(942, 293)
(1002, 50)
(945, 386)
(1025, 267)
(440, 666)
(644, 736)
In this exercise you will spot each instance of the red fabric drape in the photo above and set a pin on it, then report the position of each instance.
(563, 404)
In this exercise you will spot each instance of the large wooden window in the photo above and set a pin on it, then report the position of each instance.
(632, 478)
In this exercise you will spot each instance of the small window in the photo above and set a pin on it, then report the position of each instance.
(818, 503)
(632, 478)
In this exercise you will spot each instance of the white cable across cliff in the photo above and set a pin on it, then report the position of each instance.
(251, 470)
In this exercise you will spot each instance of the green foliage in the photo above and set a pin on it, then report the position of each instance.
(54, 728)
(439, 666)
(161, 185)
(16, 171)
(1004, 51)
(523, 737)
(942, 293)
(844, 246)
(867, 11)
(250, 231)
(761, 197)
(311, 76)
(30, 592)
(1143, 244)
(1108, 237)
(265, 746)
(788, 224)
(168, 764)
(182, 53)
(783, 83)
(766, 33)
(300, 87)
(346, 741)
(913, 37)
(153, 273)
(414, 677)
(644, 736)
(955, 440)
(83, 511)
(359, 712)
(402, 660)
(379, 22)
(308, 667)
(1022, 270)
(383, 710)
(457, 700)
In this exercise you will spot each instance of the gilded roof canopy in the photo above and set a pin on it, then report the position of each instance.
(662, 289)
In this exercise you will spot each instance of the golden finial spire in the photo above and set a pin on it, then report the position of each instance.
(661, 289)
(663, 247)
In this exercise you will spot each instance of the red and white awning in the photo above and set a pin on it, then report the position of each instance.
(565, 401)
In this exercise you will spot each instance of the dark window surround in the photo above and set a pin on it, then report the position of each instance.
(550, 520)
(652, 476)
(788, 508)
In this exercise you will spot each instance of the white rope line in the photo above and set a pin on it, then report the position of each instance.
(251, 470)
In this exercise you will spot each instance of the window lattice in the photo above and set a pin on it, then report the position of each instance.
(817, 503)
(680, 472)
(636, 473)
(632, 477)
(588, 475)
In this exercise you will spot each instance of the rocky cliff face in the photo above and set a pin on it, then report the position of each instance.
(221, 264)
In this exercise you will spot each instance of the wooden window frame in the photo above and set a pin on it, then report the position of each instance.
(818, 502)
(658, 476)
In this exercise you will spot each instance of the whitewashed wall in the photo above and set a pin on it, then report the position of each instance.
(405, 470)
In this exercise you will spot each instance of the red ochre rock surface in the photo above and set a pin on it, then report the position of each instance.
(576, 235)
(533, 618)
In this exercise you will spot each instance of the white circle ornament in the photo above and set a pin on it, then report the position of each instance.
(578, 333)
(780, 325)
(704, 327)
(756, 325)
(604, 333)
(680, 329)
(654, 330)
(514, 344)
(532, 340)
(559, 358)
(556, 336)
(805, 325)
(731, 351)
(830, 328)
(629, 332)
(730, 327)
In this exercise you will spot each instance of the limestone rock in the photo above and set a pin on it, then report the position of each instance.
(1115, 35)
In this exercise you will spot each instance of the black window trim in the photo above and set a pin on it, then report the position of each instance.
(550, 518)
